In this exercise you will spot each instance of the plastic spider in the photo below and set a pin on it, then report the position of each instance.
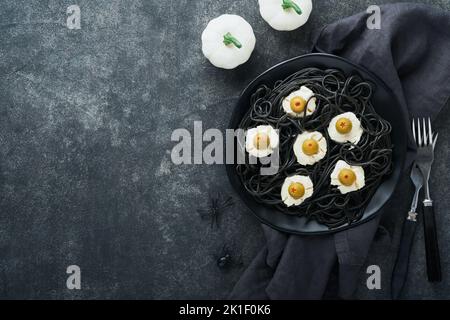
(216, 208)
(225, 259)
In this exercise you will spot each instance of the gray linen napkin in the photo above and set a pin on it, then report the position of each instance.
(411, 53)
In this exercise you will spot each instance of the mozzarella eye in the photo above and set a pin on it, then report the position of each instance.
(310, 147)
(347, 177)
(296, 190)
(261, 141)
(298, 104)
(343, 125)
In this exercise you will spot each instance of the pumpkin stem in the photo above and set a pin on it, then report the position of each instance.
(229, 39)
(291, 4)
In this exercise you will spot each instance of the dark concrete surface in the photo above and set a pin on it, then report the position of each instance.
(85, 172)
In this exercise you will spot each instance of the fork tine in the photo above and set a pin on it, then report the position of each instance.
(419, 134)
(414, 131)
(435, 140)
(430, 133)
(425, 138)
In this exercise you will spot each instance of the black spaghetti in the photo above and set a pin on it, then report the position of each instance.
(335, 93)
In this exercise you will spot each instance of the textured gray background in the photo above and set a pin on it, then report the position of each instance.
(85, 173)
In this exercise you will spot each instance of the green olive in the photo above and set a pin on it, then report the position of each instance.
(298, 104)
(296, 190)
(310, 147)
(261, 141)
(343, 125)
(347, 177)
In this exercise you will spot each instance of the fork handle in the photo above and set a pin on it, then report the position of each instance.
(400, 272)
(431, 243)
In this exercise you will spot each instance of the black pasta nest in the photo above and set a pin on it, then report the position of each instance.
(335, 93)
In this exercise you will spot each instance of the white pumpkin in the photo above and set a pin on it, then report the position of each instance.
(228, 41)
(285, 15)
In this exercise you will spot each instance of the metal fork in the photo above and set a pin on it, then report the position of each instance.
(417, 180)
(426, 142)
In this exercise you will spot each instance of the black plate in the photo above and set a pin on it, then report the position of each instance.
(386, 105)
